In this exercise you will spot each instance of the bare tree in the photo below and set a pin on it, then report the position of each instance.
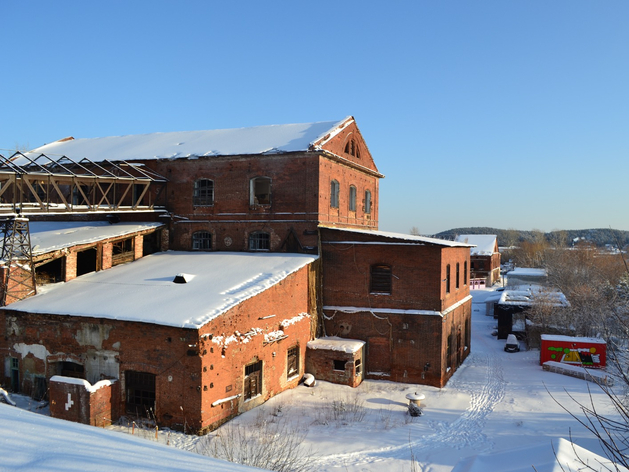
(415, 231)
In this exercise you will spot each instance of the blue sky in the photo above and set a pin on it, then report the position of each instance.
(509, 114)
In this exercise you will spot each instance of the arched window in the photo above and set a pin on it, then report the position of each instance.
(367, 201)
(259, 241)
(352, 198)
(260, 191)
(334, 194)
(458, 271)
(351, 148)
(203, 192)
(202, 241)
(381, 281)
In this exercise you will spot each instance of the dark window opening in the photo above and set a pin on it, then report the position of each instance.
(202, 241)
(151, 243)
(292, 362)
(339, 365)
(448, 278)
(15, 375)
(259, 241)
(457, 274)
(381, 279)
(465, 273)
(352, 198)
(203, 193)
(334, 194)
(261, 191)
(367, 201)
(86, 261)
(253, 380)
(50, 272)
(71, 369)
(40, 389)
(122, 251)
(140, 388)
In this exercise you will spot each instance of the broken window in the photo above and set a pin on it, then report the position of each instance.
(334, 194)
(381, 281)
(122, 251)
(253, 380)
(352, 198)
(203, 193)
(367, 201)
(292, 362)
(339, 365)
(201, 241)
(260, 191)
(259, 241)
(71, 369)
(140, 388)
(86, 261)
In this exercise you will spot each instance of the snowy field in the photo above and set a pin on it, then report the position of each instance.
(495, 402)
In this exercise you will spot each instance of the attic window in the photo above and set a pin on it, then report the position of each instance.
(351, 148)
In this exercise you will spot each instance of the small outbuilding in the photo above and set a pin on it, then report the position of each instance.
(336, 360)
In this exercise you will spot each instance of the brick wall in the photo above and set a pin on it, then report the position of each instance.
(76, 400)
(193, 369)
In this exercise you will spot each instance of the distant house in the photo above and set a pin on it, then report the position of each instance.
(526, 276)
(484, 257)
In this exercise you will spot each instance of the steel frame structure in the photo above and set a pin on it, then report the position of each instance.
(45, 185)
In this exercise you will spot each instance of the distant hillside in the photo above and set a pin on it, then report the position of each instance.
(511, 237)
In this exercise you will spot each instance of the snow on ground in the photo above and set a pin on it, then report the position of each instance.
(495, 402)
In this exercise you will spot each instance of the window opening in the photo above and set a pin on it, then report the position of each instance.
(334, 194)
(292, 362)
(260, 191)
(71, 369)
(259, 241)
(253, 380)
(140, 388)
(50, 272)
(15, 374)
(358, 366)
(465, 273)
(381, 281)
(367, 201)
(122, 251)
(201, 241)
(339, 365)
(203, 194)
(457, 274)
(352, 198)
(448, 278)
(86, 261)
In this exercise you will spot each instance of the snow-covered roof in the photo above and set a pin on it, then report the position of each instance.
(144, 290)
(47, 236)
(334, 343)
(36, 443)
(400, 237)
(271, 139)
(563, 455)
(485, 243)
(571, 339)
(527, 271)
(531, 295)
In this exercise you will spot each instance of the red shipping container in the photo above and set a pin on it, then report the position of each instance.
(585, 352)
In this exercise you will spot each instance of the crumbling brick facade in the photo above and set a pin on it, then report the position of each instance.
(199, 375)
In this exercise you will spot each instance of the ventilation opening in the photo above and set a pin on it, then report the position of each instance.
(183, 278)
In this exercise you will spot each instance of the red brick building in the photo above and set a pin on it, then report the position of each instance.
(193, 339)
(407, 297)
(268, 194)
(485, 257)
